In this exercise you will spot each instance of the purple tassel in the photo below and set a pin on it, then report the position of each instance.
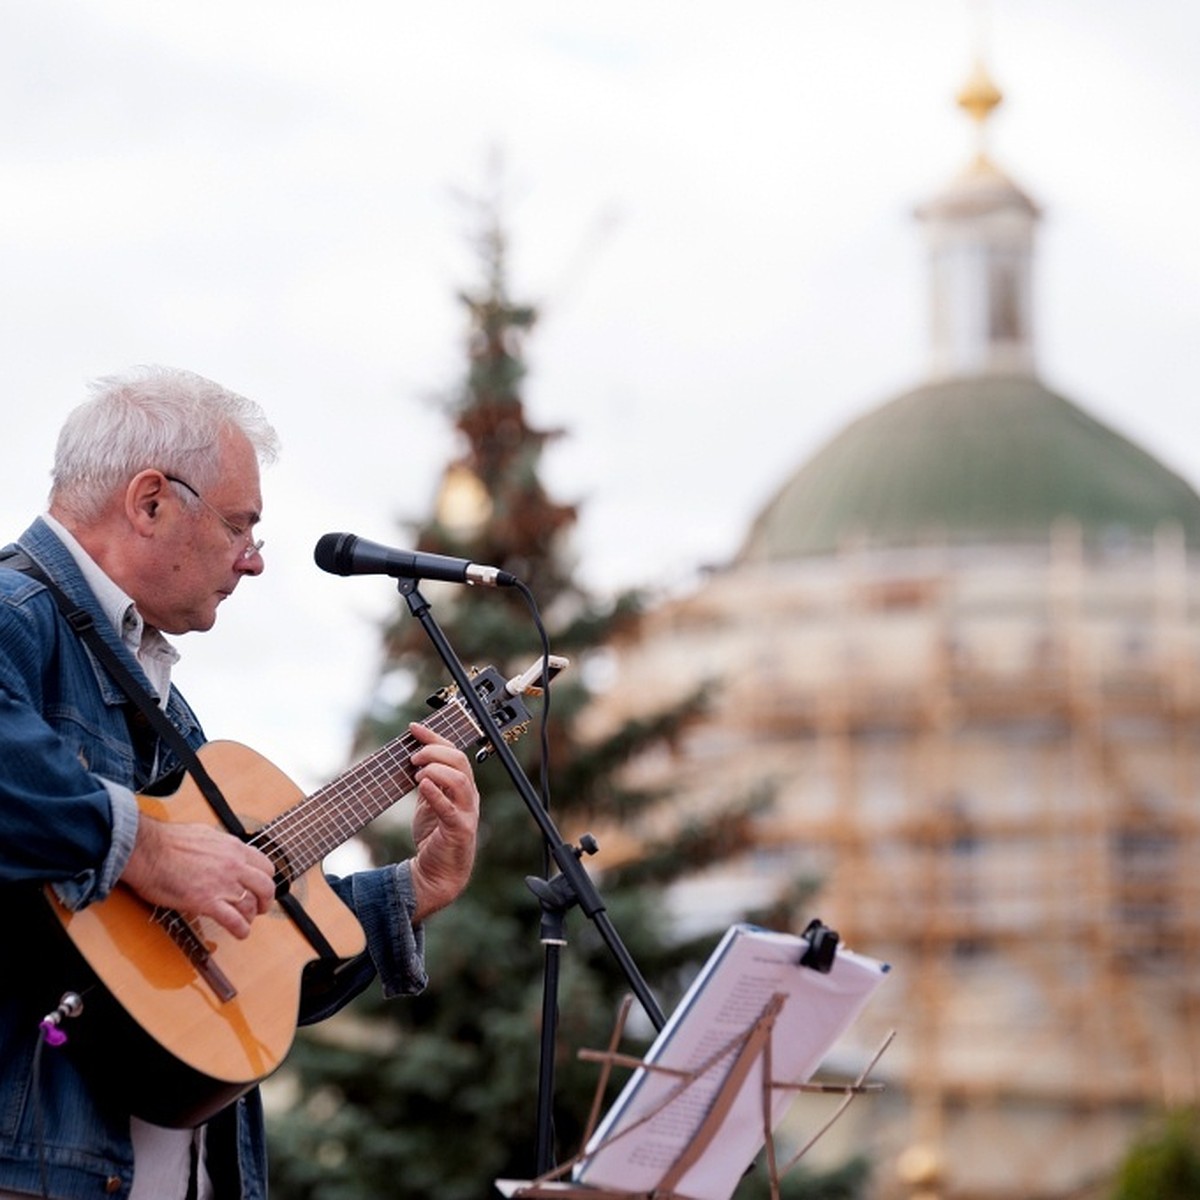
(51, 1033)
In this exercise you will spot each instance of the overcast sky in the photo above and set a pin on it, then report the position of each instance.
(710, 202)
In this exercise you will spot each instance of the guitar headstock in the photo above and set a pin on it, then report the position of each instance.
(503, 698)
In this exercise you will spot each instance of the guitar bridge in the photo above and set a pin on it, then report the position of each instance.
(184, 935)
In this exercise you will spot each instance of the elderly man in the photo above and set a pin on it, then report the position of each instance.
(152, 524)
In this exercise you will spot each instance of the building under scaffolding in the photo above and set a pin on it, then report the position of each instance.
(961, 647)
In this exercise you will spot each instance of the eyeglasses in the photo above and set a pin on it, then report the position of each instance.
(240, 534)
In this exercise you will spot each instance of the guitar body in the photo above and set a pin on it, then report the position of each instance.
(179, 1017)
(192, 1046)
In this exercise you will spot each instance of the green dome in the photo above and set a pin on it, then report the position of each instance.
(982, 459)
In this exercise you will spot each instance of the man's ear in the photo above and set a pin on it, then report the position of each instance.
(143, 500)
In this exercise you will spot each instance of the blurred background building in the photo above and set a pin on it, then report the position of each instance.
(960, 645)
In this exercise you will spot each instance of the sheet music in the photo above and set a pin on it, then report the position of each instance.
(746, 969)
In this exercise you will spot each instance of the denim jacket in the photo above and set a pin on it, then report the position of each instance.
(68, 817)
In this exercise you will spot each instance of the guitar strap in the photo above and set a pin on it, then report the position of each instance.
(85, 627)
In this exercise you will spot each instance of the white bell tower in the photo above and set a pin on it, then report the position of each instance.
(979, 231)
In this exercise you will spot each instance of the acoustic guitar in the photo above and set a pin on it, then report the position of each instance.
(179, 1015)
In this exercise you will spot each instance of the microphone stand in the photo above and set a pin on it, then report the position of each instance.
(571, 886)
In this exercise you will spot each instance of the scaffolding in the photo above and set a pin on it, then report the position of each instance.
(990, 762)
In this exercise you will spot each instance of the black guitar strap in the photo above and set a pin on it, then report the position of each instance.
(85, 627)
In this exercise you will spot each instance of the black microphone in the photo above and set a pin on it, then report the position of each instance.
(346, 554)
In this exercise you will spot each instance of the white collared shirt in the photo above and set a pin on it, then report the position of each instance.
(154, 653)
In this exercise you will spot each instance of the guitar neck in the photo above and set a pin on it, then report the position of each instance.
(301, 837)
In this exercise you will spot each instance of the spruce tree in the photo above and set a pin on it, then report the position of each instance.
(433, 1098)
(1164, 1163)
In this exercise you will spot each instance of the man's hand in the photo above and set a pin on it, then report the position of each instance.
(445, 822)
(200, 871)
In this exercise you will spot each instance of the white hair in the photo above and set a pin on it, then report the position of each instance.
(159, 417)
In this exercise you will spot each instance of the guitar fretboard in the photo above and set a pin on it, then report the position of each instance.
(301, 837)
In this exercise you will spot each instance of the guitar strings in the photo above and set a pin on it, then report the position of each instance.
(300, 837)
(338, 810)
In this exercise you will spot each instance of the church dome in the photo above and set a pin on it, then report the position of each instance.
(983, 453)
(981, 459)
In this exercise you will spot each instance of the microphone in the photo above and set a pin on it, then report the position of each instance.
(346, 554)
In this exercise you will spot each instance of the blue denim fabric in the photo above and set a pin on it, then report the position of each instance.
(68, 816)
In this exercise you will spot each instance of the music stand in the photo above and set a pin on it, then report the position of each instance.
(731, 1066)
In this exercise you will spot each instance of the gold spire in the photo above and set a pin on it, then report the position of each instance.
(979, 95)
